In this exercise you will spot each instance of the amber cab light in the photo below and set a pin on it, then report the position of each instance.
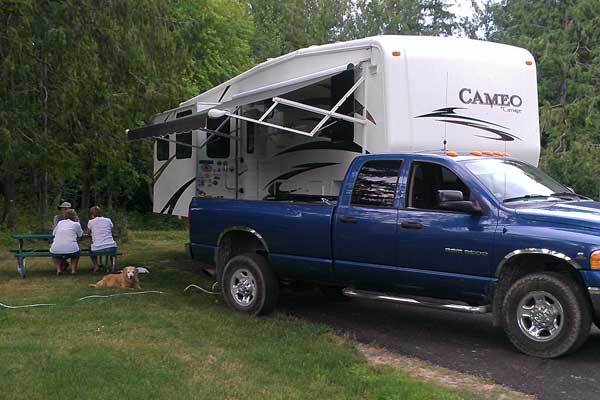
(452, 153)
(487, 153)
(595, 260)
(475, 153)
(396, 53)
(528, 62)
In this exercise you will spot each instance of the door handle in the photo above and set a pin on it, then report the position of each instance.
(411, 225)
(348, 220)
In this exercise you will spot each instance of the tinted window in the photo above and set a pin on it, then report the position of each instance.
(183, 148)
(376, 183)
(218, 146)
(162, 149)
(426, 179)
(250, 138)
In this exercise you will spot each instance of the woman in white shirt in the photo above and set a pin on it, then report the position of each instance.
(100, 229)
(64, 245)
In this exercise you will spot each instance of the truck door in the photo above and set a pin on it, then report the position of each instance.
(365, 228)
(447, 252)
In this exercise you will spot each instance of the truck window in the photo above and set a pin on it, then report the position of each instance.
(426, 179)
(181, 150)
(162, 149)
(218, 146)
(376, 183)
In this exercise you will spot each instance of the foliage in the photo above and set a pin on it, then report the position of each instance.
(75, 74)
(564, 37)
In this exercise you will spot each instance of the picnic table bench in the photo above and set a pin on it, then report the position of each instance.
(21, 253)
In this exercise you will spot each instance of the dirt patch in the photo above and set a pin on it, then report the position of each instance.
(439, 375)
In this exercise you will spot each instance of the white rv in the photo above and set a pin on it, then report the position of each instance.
(288, 128)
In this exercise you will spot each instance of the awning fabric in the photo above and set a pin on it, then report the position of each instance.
(197, 121)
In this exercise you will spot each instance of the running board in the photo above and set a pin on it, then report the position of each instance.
(363, 294)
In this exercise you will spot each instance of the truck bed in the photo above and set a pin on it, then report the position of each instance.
(298, 234)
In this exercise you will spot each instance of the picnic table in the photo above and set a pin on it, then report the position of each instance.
(21, 253)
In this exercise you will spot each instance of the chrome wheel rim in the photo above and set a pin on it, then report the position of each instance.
(540, 316)
(243, 287)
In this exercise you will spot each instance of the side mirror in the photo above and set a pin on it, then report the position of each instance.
(453, 200)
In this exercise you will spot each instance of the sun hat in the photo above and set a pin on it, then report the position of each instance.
(64, 204)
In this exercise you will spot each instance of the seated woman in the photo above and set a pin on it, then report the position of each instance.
(100, 229)
(64, 245)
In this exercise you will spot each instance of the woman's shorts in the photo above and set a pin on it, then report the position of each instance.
(109, 251)
(60, 257)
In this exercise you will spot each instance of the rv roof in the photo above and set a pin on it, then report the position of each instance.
(414, 45)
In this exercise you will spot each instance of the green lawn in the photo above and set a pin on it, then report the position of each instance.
(171, 346)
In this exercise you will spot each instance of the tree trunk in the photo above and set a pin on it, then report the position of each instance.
(8, 214)
(85, 191)
(44, 201)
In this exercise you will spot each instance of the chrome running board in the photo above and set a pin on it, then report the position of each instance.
(364, 294)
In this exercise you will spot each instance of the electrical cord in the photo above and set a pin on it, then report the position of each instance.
(212, 290)
(100, 296)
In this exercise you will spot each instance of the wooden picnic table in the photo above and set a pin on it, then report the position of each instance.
(21, 253)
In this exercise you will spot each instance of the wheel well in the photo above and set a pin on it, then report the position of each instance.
(524, 264)
(236, 242)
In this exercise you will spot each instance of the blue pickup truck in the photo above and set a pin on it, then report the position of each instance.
(464, 233)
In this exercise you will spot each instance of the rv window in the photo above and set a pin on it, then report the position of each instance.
(376, 183)
(181, 150)
(250, 138)
(426, 179)
(162, 149)
(218, 146)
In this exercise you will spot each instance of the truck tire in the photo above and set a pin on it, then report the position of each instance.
(249, 285)
(545, 315)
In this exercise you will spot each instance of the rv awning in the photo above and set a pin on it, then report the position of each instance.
(197, 120)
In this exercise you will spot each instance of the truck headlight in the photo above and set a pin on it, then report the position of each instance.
(595, 260)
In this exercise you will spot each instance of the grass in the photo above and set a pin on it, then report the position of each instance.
(171, 346)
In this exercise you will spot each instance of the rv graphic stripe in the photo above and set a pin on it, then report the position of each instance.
(324, 145)
(449, 113)
(450, 116)
(162, 169)
(170, 205)
(504, 136)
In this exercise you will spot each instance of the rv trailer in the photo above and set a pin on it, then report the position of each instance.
(288, 128)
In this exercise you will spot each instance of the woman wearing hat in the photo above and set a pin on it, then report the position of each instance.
(64, 245)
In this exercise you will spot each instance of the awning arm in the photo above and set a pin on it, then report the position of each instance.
(327, 114)
(338, 105)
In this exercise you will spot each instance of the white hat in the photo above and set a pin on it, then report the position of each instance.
(65, 204)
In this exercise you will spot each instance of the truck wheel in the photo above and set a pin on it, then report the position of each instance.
(249, 285)
(546, 315)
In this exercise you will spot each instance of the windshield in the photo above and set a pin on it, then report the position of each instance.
(511, 180)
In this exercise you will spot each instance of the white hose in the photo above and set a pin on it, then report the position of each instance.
(202, 289)
(98, 296)
(26, 306)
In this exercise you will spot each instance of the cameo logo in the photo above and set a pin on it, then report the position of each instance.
(468, 96)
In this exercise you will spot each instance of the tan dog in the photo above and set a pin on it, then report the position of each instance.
(128, 278)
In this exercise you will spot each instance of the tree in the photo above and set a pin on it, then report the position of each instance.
(564, 37)
(405, 17)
